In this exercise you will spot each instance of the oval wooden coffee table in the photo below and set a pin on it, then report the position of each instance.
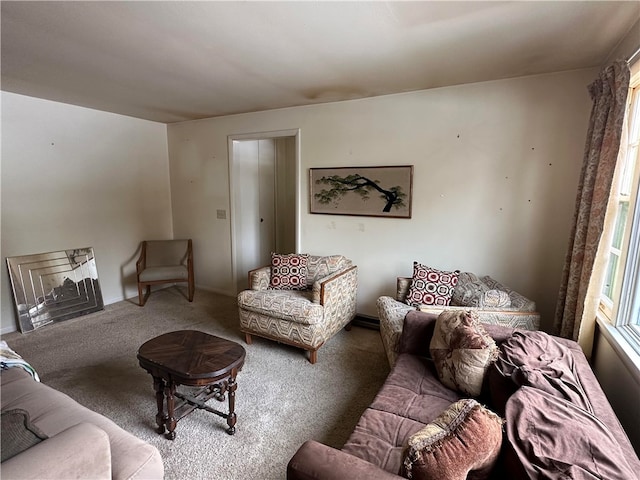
(196, 359)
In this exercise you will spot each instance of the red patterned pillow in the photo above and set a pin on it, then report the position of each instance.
(289, 272)
(430, 286)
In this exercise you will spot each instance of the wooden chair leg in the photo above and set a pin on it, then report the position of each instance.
(141, 296)
(248, 339)
(313, 356)
(191, 290)
(348, 326)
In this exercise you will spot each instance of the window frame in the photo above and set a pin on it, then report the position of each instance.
(619, 317)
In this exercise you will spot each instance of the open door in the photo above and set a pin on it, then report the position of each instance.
(264, 199)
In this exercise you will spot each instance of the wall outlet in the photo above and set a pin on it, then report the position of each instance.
(221, 214)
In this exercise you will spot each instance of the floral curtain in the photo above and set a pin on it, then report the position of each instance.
(609, 95)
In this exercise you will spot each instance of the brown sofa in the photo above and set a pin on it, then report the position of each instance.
(412, 397)
(75, 442)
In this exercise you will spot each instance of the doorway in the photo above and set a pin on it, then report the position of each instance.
(264, 199)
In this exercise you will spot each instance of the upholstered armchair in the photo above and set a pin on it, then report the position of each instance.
(162, 262)
(304, 314)
(494, 303)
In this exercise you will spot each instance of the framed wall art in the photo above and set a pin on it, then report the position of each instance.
(364, 191)
(54, 286)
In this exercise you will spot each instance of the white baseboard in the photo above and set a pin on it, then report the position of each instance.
(7, 330)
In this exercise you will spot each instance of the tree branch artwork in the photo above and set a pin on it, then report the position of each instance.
(393, 197)
(379, 191)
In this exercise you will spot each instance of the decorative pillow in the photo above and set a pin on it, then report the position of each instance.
(465, 438)
(430, 286)
(469, 290)
(289, 272)
(17, 433)
(495, 299)
(462, 351)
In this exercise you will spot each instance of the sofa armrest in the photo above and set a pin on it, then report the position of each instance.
(333, 286)
(391, 314)
(317, 461)
(260, 278)
(80, 451)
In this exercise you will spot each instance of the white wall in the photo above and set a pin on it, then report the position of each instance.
(495, 178)
(76, 177)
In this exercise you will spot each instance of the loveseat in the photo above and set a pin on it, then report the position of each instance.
(539, 437)
(494, 302)
(50, 436)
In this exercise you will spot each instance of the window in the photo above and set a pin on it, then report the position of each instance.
(620, 296)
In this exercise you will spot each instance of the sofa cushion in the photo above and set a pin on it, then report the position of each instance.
(430, 286)
(411, 397)
(466, 437)
(18, 433)
(289, 271)
(554, 438)
(462, 351)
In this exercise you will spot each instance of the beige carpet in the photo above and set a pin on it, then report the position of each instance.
(282, 400)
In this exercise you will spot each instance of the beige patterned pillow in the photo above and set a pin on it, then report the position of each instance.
(495, 299)
(462, 351)
(464, 441)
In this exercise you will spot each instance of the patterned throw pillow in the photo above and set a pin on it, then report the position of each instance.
(464, 441)
(430, 286)
(469, 290)
(495, 299)
(462, 351)
(288, 272)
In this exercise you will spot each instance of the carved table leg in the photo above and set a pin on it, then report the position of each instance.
(231, 389)
(158, 386)
(170, 421)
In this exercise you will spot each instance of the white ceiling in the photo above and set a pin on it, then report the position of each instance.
(173, 61)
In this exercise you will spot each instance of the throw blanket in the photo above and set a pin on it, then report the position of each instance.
(9, 358)
(535, 359)
(550, 422)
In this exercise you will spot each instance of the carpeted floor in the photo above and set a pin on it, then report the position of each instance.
(282, 400)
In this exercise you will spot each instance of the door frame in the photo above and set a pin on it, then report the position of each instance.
(234, 177)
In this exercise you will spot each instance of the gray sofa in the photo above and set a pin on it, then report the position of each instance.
(74, 442)
(413, 396)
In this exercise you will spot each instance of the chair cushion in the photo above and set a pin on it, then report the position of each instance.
(465, 438)
(152, 274)
(291, 305)
(289, 271)
(462, 351)
(430, 286)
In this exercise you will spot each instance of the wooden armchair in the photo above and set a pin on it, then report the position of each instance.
(302, 318)
(164, 261)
